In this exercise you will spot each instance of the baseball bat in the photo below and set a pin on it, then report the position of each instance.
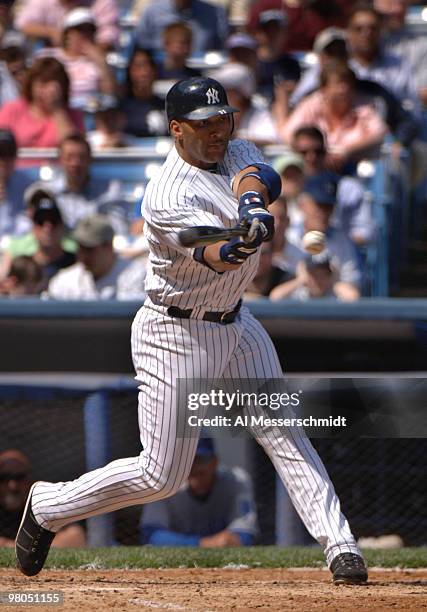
(203, 235)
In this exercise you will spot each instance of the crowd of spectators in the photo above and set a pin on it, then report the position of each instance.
(325, 81)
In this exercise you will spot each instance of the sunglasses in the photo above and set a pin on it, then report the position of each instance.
(6, 477)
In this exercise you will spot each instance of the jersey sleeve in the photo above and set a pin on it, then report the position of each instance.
(241, 154)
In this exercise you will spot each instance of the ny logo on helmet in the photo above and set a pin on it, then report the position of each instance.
(212, 96)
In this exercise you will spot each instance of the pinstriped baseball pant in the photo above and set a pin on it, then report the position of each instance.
(165, 349)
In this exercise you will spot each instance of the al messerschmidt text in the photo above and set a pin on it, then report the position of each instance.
(263, 421)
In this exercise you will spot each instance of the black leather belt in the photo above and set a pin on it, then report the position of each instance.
(229, 316)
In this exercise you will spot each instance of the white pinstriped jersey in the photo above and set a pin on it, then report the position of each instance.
(182, 196)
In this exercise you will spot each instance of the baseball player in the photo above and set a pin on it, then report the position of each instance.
(192, 325)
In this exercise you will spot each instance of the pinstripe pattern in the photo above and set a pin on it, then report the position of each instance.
(165, 349)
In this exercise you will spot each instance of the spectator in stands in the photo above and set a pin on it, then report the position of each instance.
(317, 203)
(84, 61)
(25, 278)
(13, 183)
(242, 49)
(315, 278)
(274, 66)
(250, 123)
(27, 244)
(41, 117)
(109, 123)
(398, 39)
(207, 22)
(330, 45)
(99, 272)
(353, 129)
(144, 111)
(79, 194)
(14, 54)
(37, 21)
(213, 509)
(8, 85)
(305, 19)
(290, 166)
(370, 61)
(177, 41)
(285, 256)
(46, 246)
(352, 211)
(15, 483)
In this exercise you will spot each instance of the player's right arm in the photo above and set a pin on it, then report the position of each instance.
(212, 258)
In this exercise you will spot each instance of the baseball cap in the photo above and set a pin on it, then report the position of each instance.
(12, 39)
(236, 76)
(35, 192)
(272, 15)
(205, 449)
(322, 187)
(326, 37)
(77, 17)
(93, 231)
(8, 146)
(241, 40)
(288, 160)
(46, 209)
(320, 260)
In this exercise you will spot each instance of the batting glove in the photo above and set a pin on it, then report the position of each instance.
(251, 206)
(237, 250)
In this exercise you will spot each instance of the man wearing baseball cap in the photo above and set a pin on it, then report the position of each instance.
(214, 508)
(46, 243)
(328, 45)
(99, 272)
(317, 202)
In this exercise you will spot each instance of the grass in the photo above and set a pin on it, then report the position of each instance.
(121, 557)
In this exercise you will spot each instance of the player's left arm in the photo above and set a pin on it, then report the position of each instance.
(255, 187)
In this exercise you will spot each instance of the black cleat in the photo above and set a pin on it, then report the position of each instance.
(349, 568)
(32, 542)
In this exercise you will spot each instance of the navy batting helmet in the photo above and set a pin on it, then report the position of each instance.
(197, 98)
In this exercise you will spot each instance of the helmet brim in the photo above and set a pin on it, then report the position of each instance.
(209, 111)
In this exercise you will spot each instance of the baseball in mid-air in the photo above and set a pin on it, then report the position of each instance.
(314, 242)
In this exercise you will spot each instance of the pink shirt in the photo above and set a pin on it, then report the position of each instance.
(31, 131)
(361, 125)
(51, 13)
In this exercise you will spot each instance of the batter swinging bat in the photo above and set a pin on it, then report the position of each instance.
(203, 235)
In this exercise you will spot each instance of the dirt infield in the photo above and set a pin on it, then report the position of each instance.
(209, 590)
